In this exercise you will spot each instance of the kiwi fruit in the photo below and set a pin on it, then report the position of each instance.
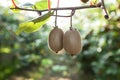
(84, 1)
(55, 40)
(72, 42)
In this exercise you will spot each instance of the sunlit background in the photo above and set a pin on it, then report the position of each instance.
(62, 22)
(28, 57)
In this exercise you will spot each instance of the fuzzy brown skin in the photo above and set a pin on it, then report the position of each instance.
(84, 1)
(56, 39)
(72, 42)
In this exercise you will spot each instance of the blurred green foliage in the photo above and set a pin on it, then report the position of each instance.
(18, 51)
(28, 55)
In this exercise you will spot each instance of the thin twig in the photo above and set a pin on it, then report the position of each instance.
(63, 8)
(104, 10)
(56, 13)
(72, 13)
(99, 5)
(67, 15)
(56, 19)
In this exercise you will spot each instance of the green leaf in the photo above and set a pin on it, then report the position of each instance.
(35, 24)
(42, 4)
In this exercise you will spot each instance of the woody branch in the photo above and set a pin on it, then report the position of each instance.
(99, 5)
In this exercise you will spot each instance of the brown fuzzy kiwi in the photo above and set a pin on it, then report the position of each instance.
(84, 1)
(72, 42)
(56, 39)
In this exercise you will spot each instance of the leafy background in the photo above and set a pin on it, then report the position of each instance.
(27, 56)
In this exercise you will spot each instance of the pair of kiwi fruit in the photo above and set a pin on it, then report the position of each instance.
(70, 41)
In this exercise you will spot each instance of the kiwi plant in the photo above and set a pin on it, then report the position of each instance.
(71, 40)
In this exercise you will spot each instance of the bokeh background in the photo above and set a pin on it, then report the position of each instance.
(28, 57)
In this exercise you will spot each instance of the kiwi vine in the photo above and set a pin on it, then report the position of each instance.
(58, 40)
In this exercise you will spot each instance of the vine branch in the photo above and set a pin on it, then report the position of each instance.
(99, 5)
(63, 8)
(104, 10)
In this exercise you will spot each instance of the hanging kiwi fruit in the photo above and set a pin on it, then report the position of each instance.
(72, 41)
(56, 36)
(84, 1)
(55, 40)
